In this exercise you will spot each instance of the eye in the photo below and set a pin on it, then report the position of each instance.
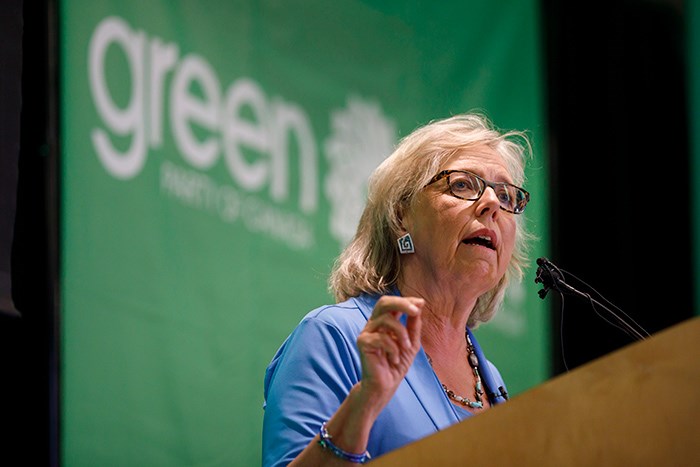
(464, 184)
(504, 194)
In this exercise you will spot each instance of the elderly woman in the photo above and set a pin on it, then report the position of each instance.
(395, 359)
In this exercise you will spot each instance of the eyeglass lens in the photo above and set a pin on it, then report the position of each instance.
(470, 187)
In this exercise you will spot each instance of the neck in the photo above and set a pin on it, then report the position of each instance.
(445, 316)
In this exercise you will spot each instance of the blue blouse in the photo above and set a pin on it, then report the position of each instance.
(317, 365)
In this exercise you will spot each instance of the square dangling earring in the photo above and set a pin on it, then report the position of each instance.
(406, 244)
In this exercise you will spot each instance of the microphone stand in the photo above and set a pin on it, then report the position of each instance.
(551, 277)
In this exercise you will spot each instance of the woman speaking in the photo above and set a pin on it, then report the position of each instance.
(395, 360)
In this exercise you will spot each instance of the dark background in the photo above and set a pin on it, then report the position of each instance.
(620, 167)
(616, 100)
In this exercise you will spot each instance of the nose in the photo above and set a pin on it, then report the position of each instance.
(488, 204)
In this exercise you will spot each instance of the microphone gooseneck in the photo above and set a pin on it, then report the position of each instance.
(551, 277)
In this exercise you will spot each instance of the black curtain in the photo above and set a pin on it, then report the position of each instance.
(29, 234)
(616, 93)
(10, 104)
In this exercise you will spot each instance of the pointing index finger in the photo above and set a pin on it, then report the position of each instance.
(410, 306)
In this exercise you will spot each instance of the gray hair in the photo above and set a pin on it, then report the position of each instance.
(371, 263)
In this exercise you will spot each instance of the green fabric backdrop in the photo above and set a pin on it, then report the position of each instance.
(214, 159)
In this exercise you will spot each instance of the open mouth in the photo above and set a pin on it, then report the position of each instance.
(483, 240)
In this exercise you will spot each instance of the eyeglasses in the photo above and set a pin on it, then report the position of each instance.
(469, 186)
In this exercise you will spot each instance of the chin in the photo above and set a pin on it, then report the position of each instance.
(481, 270)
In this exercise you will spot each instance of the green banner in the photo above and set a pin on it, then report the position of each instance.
(214, 161)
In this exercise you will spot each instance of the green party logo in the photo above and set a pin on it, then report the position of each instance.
(360, 138)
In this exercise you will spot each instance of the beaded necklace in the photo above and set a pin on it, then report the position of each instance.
(478, 388)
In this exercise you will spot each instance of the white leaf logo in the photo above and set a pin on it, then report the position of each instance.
(361, 138)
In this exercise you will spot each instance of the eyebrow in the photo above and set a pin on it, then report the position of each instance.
(508, 180)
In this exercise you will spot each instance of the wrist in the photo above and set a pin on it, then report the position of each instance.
(366, 399)
(352, 423)
(326, 442)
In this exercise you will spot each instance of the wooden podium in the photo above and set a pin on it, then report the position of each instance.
(638, 406)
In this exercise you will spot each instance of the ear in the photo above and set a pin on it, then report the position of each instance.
(403, 214)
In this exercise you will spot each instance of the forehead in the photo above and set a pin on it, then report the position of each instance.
(483, 160)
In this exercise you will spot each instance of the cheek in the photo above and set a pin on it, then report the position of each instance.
(508, 236)
(431, 220)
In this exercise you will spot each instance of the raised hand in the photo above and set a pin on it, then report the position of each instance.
(387, 347)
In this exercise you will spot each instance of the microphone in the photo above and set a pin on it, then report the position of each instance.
(551, 277)
(548, 275)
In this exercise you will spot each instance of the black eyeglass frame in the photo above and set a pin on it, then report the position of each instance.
(520, 206)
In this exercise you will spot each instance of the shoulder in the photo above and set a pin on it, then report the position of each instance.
(345, 315)
(323, 342)
(332, 327)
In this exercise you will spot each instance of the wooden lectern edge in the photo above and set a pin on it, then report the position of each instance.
(636, 406)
